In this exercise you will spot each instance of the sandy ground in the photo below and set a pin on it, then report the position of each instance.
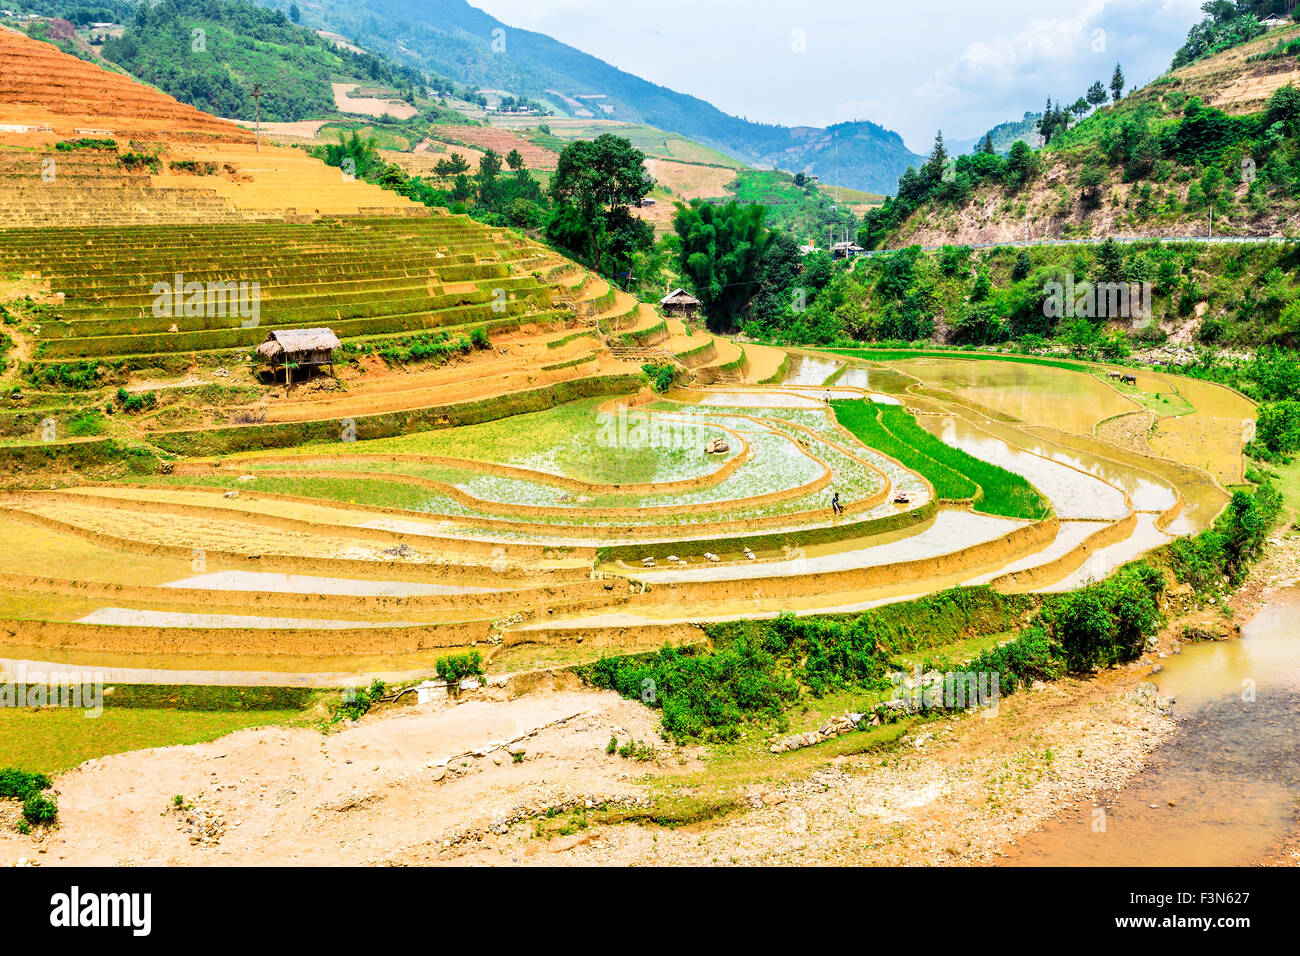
(374, 791)
(382, 791)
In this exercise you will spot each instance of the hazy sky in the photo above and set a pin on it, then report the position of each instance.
(958, 65)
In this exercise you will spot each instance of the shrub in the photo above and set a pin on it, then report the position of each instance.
(660, 374)
(455, 667)
(1277, 427)
(85, 142)
(1108, 622)
(356, 703)
(40, 809)
(20, 784)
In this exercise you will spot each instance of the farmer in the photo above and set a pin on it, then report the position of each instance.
(836, 507)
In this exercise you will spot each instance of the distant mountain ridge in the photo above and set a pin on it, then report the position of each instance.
(453, 39)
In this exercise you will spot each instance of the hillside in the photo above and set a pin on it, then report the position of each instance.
(451, 38)
(215, 69)
(1216, 139)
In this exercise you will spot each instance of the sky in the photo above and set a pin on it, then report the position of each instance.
(957, 65)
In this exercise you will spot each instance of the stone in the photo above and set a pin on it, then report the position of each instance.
(231, 494)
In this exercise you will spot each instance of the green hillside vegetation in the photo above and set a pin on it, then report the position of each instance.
(1249, 296)
(1227, 23)
(794, 204)
(241, 44)
(1184, 160)
(1153, 161)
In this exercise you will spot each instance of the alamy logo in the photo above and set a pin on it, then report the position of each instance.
(1098, 300)
(181, 299)
(76, 909)
(631, 430)
(954, 690)
(73, 690)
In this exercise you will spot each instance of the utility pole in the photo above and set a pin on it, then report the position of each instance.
(257, 113)
(1026, 228)
(1211, 222)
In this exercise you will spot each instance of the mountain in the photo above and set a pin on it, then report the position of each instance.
(1003, 135)
(1214, 143)
(453, 39)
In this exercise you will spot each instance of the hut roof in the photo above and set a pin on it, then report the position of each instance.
(679, 297)
(297, 341)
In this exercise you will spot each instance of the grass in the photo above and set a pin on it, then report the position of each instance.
(140, 716)
(886, 355)
(863, 419)
(949, 469)
(1164, 404)
(51, 740)
(1288, 483)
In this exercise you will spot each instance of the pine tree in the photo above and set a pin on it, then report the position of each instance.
(1096, 93)
(987, 147)
(938, 159)
(1117, 83)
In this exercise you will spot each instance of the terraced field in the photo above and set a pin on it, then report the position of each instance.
(488, 466)
(599, 523)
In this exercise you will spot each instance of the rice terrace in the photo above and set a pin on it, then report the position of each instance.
(389, 508)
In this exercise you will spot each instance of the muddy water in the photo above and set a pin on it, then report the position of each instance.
(1072, 401)
(1225, 788)
(1072, 494)
(810, 370)
(1147, 491)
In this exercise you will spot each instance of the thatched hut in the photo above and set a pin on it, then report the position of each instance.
(299, 348)
(680, 302)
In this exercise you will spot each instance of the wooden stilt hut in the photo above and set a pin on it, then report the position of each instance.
(296, 348)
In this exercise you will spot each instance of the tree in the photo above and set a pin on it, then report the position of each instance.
(595, 182)
(1117, 84)
(1096, 93)
(987, 145)
(1110, 262)
(1023, 266)
(1021, 165)
(720, 249)
(1079, 107)
(1091, 179)
(515, 160)
(932, 171)
(1284, 108)
(294, 13)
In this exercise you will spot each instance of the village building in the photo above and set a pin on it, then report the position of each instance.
(846, 249)
(289, 349)
(680, 302)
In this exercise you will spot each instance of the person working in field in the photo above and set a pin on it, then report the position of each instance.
(837, 509)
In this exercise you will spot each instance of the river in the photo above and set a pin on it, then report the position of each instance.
(1224, 789)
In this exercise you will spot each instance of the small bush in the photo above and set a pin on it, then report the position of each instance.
(19, 784)
(660, 374)
(39, 809)
(456, 667)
